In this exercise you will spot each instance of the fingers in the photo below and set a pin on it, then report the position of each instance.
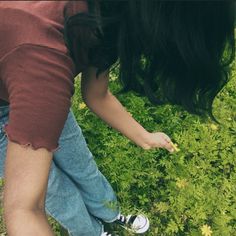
(167, 143)
(161, 140)
(169, 147)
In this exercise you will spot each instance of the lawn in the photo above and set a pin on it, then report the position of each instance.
(191, 192)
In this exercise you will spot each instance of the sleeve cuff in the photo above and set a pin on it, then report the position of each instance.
(25, 141)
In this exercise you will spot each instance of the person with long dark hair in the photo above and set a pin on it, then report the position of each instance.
(175, 52)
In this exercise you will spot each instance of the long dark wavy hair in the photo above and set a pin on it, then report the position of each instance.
(176, 52)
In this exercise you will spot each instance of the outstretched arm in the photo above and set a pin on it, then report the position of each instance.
(99, 99)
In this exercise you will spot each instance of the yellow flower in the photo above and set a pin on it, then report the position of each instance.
(175, 146)
(82, 105)
(214, 127)
(206, 230)
(181, 183)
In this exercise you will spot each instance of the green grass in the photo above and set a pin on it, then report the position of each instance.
(179, 192)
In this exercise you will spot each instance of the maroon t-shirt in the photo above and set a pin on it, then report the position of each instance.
(36, 71)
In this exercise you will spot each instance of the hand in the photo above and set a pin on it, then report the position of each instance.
(159, 140)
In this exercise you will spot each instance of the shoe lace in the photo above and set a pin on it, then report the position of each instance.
(122, 219)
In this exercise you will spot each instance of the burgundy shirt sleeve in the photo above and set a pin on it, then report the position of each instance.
(40, 84)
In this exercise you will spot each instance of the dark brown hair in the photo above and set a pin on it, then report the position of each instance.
(175, 52)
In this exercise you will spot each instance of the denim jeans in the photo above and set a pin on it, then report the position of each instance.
(78, 195)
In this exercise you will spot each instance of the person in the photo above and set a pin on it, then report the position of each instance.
(42, 146)
(168, 51)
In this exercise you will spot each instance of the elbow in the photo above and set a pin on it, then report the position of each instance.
(95, 99)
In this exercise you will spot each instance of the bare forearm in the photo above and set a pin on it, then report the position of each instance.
(98, 98)
(113, 113)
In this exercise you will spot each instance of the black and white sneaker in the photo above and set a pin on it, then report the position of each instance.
(137, 224)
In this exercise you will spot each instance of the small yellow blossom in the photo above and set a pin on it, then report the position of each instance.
(206, 230)
(82, 105)
(175, 146)
(130, 113)
(214, 127)
(181, 183)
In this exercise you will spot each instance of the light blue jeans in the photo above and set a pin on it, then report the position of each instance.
(78, 195)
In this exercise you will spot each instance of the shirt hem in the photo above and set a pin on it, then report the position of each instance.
(26, 144)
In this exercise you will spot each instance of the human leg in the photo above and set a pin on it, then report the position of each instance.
(65, 204)
(63, 199)
(75, 159)
(68, 215)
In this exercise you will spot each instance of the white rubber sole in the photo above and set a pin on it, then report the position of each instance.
(139, 230)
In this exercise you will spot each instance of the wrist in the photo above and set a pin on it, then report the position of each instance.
(146, 140)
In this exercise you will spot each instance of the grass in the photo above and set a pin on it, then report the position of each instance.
(191, 192)
(187, 193)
